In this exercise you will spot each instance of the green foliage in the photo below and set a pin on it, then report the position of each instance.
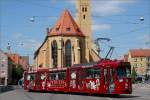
(17, 72)
(133, 75)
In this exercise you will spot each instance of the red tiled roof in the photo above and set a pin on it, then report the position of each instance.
(140, 52)
(14, 57)
(65, 26)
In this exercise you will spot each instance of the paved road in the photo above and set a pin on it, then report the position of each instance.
(20, 94)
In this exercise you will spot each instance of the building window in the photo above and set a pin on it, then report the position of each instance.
(83, 16)
(57, 29)
(54, 53)
(81, 50)
(68, 54)
(85, 9)
(82, 9)
(78, 30)
(135, 59)
(68, 29)
(141, 59)
(2, 65)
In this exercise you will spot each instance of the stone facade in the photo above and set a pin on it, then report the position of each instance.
(84, 21)
(70, 45)
(67, 32)
(19, 60)
(140, 60)
(5, 69)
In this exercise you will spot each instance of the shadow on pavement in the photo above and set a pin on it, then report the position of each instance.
(93, 95)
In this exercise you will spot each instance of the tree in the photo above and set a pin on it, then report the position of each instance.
(133, 75)
(17, 73)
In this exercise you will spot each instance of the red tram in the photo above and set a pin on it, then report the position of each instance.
(105, 77)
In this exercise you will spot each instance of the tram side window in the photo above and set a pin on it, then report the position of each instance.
(57, 76)
(62, 75)
(105, 75)
(128, 72)
(93, 73)
(31, 77)
(52, 76)
(111, 75)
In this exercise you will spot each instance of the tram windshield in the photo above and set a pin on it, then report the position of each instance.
(123, 71)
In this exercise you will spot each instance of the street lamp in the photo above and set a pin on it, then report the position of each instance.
(141, 18)
(32, 19)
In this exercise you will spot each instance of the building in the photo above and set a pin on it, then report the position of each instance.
(19, 60)
(24, 61)
(84, 21)
(64, 45)
(5, 69)
(14, 57)
(140, 60)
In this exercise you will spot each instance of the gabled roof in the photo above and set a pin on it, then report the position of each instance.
(65, 26)
(139, 52)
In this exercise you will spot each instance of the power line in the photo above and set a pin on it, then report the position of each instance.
(131, 31)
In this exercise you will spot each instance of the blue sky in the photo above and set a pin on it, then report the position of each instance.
(115, 19)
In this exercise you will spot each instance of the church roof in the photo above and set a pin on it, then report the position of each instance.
(65, 26)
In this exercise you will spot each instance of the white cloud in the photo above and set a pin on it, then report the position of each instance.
(71, 1)
(109, 7)
(98, 27)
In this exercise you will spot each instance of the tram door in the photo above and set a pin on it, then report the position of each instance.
(73, 80)
(108, 79)
(41, 81)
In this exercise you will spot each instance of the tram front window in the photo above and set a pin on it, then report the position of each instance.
(121, 72)
(128, 72)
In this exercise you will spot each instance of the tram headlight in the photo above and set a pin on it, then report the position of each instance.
(120, 80)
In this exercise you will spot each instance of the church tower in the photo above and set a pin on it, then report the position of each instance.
(84, 21)
(83, 17)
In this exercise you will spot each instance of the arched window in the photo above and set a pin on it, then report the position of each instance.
(68, 54)
(81, 51)
(54, 53)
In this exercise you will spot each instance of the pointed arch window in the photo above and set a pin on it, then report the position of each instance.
(68, 53)
(54, 53)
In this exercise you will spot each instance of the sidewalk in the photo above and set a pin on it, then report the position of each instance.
(142, 85)
(6, 88)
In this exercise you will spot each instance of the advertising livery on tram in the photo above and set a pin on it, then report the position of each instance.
(104, 77)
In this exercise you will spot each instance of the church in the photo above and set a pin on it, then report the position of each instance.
(68, 42)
